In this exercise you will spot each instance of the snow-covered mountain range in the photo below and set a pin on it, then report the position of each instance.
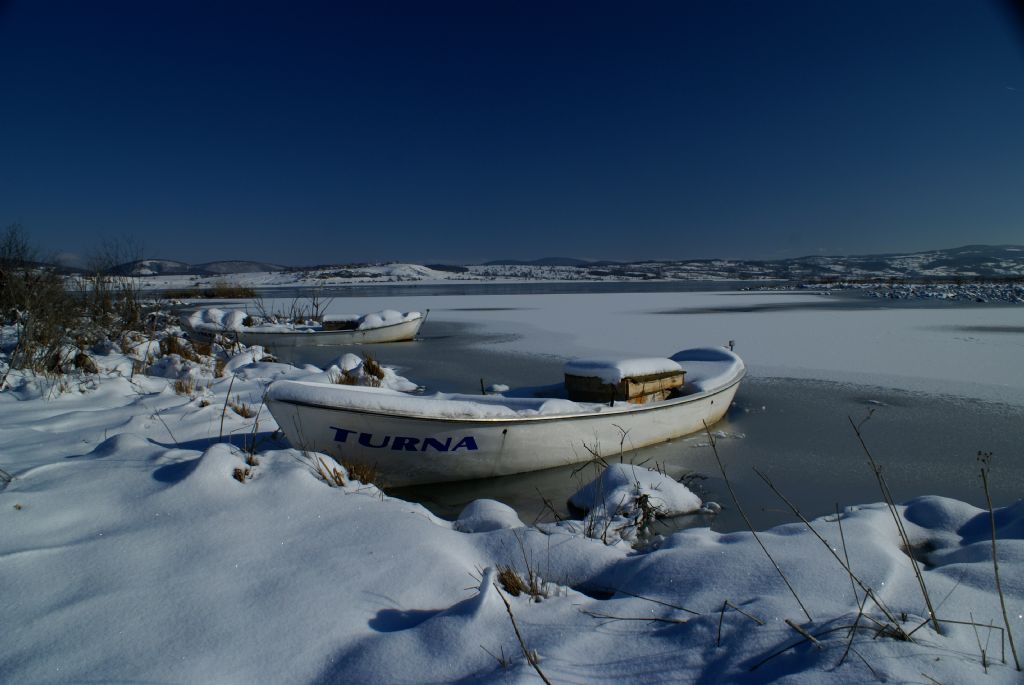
(968, 262)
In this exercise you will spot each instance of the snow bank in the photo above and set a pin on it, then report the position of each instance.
(619, 486)
(622, 502)
(485, 515)
(132, 552)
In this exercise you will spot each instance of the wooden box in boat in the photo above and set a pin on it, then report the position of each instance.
(636, 389)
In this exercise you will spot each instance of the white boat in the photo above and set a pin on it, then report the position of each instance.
(412, 439)
(378, 327)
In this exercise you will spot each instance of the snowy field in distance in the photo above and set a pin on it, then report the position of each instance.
(972, 351)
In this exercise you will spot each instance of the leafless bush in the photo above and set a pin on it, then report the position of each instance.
(226, 290)
(33, 298)
(172, 344)
(111, 291)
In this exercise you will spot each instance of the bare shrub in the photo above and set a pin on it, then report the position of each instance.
(202, 347)
(172, 344)
(33, 298)
(221, 290)
(226, 290)
(111, 291)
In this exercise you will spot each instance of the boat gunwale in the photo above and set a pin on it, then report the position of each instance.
(322, 332)
(635, 409)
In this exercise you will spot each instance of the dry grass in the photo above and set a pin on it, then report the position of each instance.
(339, 478)
(331, 475)
(364, 473)
(181, 294)
(372, 376)
(371, 367)
(172, 344)
(241, 475)
(511, 581)
(222, 290)
(343, 377)
(241, 408)
(186, 385)
(226, 289)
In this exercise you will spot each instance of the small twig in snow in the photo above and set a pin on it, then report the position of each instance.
(753, 532)
(531, 657)
(985, 458)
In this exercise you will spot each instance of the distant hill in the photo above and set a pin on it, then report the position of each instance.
(966, 262)
(237, 267)
(167, 267)
(545, 261)
(986, 261)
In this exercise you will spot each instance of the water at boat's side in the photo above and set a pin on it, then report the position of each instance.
(795, 430)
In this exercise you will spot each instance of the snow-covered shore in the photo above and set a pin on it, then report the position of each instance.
(139, 545)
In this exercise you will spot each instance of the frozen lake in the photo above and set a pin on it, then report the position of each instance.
(941, 384)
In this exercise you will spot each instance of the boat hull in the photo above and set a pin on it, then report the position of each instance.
(406, 330)
(407, 450)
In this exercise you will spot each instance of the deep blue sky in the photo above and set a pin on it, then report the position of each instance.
(436, 131)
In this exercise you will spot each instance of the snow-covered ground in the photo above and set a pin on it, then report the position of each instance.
(139, 544)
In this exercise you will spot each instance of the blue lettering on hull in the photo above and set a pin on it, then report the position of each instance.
(404, 444)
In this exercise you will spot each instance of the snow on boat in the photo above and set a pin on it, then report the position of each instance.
(412, 439)
(378, 327)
